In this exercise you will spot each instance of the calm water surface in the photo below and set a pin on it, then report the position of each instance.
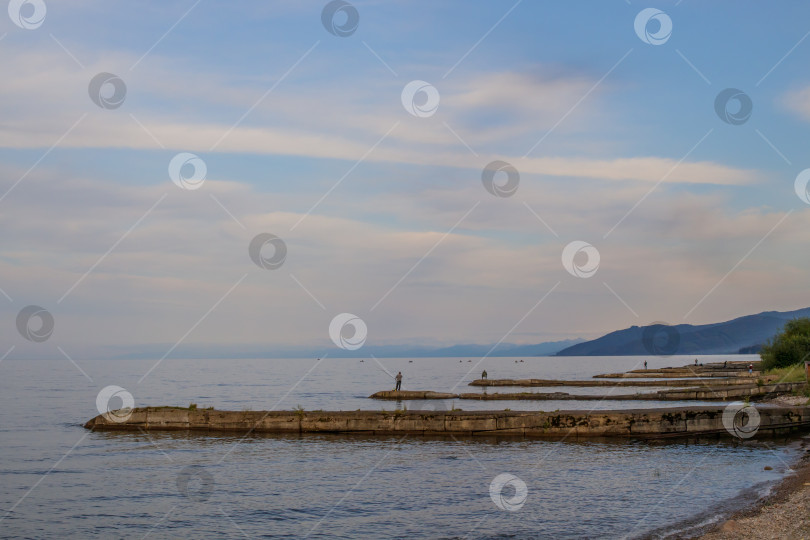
(133, 485)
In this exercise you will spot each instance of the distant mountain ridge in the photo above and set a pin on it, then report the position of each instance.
(549, 348)
(743, 334)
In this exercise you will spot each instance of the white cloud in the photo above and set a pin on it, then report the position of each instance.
(798, 101)
(341, 124)
(376, 227)
(475, 284)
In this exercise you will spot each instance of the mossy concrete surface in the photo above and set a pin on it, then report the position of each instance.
(637, 423)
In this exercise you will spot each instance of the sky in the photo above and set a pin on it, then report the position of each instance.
(442, 172)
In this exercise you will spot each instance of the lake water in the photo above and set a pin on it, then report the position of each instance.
(60, 480)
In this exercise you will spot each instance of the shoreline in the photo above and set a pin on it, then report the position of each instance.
(783, 513)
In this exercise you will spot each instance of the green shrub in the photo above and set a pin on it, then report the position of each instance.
(789, 347)
(793, 373)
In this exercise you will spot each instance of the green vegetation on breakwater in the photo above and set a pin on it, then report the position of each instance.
(790, 347)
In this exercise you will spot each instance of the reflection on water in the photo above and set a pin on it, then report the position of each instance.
(126, 484)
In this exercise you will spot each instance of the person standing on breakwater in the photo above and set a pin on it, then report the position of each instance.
(399, 381)
(484, 374)
(750, 369)
(645, 364)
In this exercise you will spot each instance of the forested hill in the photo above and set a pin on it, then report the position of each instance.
(730, 337)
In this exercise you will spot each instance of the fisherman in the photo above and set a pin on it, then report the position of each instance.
(484, 374)
(399, 381)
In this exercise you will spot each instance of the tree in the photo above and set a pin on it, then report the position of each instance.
(790, 347)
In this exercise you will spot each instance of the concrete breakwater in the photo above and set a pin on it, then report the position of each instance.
(725, 370)
(650, 423)
(611, 383)
(703, 393)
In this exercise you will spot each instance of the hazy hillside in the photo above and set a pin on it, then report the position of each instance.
(504, 349)
(380, 351)
(719, 338)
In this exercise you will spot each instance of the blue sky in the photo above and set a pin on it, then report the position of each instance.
(304, 135)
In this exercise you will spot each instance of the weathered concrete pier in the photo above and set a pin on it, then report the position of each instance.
(715, 382)
(715, 369)
(694, 392)
(651, 423)
(611, 383)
